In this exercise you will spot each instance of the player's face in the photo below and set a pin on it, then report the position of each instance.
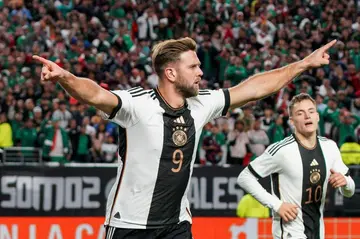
(305, 118)
(188, 74)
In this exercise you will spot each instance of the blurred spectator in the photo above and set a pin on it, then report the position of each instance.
(147, 24)
(350, 151)
(62, 115)
(98, 140)
(56, 143)
(264, 30)
(346, 124)
(283, 101)
(109, 150)
(248, 117)
(327, 117)
(321, 106)
(37, 118)
(249, 207)
(201, 152)
(29, 109)
(267, 120)
(90, 130)
(81, 146)
(355, 106)
(344, 101)
(276, 131)
(207, 55)
(258, 138)
(239, 144)
(5, 132)
(236, 71)
(27, 135)
(326, 89)
(73, 132)
(16, 124)
(212, 144)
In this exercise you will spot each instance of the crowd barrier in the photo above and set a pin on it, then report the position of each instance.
(81, 190)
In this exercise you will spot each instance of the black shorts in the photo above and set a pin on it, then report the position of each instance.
(176, 231)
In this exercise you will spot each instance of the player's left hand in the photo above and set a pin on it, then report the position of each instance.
(320, 56)
(337, 179)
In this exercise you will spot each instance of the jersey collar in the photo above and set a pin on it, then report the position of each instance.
(168, 109)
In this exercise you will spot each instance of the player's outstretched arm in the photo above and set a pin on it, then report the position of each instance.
(267, 83)
(82, 89)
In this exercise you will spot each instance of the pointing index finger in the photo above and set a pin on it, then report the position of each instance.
(329, 45)
(42, 60)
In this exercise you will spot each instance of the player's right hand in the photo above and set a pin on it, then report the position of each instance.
(288, 212)
(50, 70)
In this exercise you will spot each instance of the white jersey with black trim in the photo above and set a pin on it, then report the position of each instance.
(157, 150)
(299, 176)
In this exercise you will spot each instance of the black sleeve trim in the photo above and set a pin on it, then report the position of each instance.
(254, 172)
(348, 173)
(117, 108)
(227, 102)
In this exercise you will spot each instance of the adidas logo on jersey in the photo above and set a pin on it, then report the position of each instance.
(314, 163)
(179, 120)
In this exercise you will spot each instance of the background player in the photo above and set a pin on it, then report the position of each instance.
(301, 166)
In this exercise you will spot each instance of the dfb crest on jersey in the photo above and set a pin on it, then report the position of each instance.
(179, 136)
(315, 176)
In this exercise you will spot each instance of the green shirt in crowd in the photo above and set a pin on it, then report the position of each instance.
(236, 74)
(27, 137)
(275, 133)
(83, 145)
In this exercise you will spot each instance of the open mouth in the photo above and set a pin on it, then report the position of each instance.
(308, 123)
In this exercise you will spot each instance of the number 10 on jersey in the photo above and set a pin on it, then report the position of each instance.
(314, 195)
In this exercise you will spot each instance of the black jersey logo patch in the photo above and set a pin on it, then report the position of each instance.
(315, 176)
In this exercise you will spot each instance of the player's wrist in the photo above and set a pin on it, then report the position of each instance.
(304, 64)
(276, 205)
(66, 75)
(346, 186)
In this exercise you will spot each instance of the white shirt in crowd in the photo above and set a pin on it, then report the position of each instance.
(238, 150)
(258, 141)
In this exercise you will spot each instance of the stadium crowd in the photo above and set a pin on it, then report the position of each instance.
(110, 42)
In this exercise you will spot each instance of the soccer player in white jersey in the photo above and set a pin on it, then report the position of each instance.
(160, 130)
(301, 166)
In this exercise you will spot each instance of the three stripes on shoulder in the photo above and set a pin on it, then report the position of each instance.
(139, 91)
(204, 92)
(288, 140)
(277, 146)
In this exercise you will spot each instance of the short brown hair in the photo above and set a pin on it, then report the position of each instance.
(297, 99)
(169, 51)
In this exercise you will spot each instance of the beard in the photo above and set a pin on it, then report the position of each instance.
(185, 89)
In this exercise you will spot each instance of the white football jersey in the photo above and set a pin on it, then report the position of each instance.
(299, 176)
(157, 150)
